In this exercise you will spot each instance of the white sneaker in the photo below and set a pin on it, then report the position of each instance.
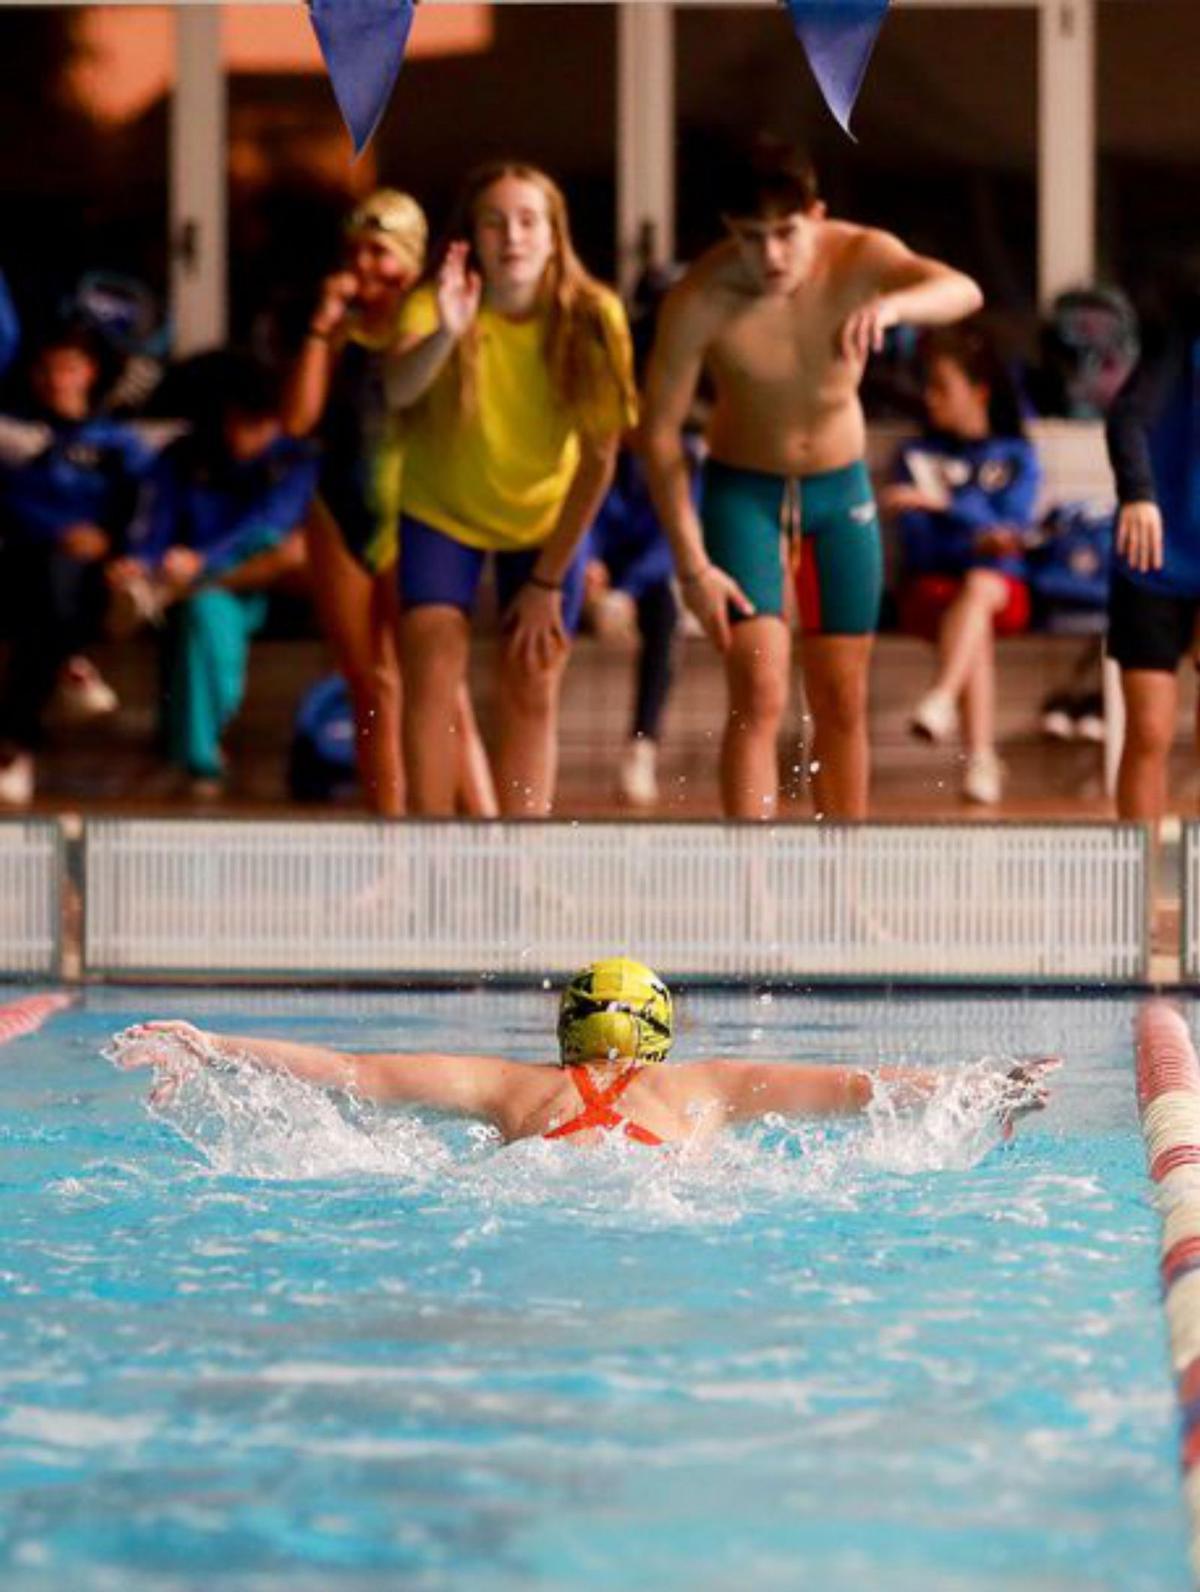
(16, 781)
(935, 717)
(1089, 719)
(82, 693)
(637, 777)
(983, 779)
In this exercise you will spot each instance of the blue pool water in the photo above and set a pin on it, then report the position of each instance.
(263, 1341)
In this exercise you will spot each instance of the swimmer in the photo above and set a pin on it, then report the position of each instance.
(615, 1025)
(782, 317)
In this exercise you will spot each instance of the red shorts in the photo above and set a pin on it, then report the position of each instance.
(925, 599)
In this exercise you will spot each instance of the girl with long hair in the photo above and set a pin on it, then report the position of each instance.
(337, 388)
(515, 375)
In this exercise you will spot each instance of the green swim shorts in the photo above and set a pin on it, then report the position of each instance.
(821, 531)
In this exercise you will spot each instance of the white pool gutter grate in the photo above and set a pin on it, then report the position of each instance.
(31, 885)
(325, 900)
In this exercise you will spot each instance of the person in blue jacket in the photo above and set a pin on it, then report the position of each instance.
(965, 504)
(68, 484)
(1154, 598)
(217, 525)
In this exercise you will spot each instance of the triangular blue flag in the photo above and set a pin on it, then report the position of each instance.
(363, 42)
(838, 37)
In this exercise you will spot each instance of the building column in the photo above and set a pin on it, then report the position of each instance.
(1066, 145)
(645, 137)
(198, 245)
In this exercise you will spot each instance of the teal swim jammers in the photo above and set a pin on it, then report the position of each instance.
(830, 526)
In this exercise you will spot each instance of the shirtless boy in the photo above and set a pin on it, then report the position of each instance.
(615, 1024)
(783, 316)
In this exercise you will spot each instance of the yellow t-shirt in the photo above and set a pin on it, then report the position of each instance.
(496, 476)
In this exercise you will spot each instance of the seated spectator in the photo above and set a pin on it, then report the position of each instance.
(630, 563)
(965, 502)
(68, 483)
(218, 524)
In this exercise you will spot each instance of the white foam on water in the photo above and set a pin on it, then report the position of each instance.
(247, 1122)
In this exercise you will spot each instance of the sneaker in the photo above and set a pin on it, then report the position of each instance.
(637, 777)
(1058, 718)
(16, 781)
(82, 693)
(935, 717)
(1089, 718)
(983, 779)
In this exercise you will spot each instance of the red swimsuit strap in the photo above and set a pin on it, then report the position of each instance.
(598, 1108)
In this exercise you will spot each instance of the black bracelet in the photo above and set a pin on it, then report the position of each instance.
(543, 585)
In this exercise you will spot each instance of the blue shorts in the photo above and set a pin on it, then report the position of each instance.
(437, 570)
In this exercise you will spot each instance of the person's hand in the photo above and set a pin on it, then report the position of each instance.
(1140, 536)
(863, 332)
(87, 544)
(1025, 1089)
(902, 497)
(536, 634)
(459, 290)
(181, 568)
(158, 1043)
(709, 593)
(1000, 542)
(172, 1048)
(337, 294)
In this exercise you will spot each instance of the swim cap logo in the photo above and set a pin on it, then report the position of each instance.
(614, 1009)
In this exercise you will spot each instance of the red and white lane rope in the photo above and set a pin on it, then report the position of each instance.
(26, 1015)
(1168, 1086)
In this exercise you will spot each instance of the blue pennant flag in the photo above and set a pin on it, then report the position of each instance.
(838, 37)
(363, 42)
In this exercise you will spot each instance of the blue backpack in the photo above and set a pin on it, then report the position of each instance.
(321, 765)
(1069, 568)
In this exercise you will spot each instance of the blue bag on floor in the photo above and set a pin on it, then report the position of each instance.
(1069, 567)
(321, 765)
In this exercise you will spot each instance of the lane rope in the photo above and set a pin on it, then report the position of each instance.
(1168, 1091)
(26, 1015)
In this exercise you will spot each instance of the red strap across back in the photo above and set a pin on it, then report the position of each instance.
(598, 1109)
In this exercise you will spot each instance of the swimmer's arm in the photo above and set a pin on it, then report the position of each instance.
(471, 1086)
(672, 377)
(684, 330)
(749, 1089)
(591, 481)
(415, 365)
(899, 287)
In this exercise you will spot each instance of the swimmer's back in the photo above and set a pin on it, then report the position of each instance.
(672, 1103)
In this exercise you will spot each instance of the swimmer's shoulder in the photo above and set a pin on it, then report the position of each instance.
(708, 293)
(851, 252)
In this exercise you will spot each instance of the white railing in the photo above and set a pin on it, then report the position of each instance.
(358, 900)
(30, 893)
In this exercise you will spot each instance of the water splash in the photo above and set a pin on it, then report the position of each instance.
(247, 1122)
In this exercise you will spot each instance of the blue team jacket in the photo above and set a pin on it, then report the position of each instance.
(196, 498)
(56, 473)
(991, 483)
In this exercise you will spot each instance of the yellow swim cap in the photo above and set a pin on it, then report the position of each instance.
(613, 1008)
(397, 220)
